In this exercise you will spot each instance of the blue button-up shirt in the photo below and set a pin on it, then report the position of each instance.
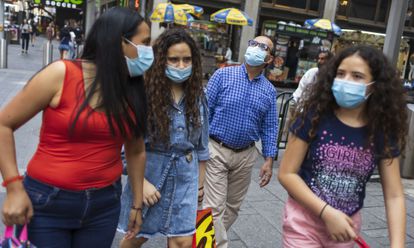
(241, 110)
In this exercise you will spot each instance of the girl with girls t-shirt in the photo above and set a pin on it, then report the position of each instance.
(351, 121)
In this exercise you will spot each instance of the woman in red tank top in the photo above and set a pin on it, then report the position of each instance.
(91, 107)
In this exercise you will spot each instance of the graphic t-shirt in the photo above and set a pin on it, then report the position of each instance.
(339, 162)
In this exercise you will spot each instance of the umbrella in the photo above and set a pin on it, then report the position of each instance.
(232, 16)
(190, 18)
(167, 12)
(191, 9)
(324, 24)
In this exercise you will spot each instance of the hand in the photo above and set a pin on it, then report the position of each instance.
(134, 224)
(151, 194)
(265, 173)
(200, 194)
(340, 226)
(17, 207)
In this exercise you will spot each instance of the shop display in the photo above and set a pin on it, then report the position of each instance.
(355, 37)
(296, 51)
(212, 38)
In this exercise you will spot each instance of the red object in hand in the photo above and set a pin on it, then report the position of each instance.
(361, 243)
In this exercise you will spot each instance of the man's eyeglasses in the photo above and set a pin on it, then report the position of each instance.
(263, 46)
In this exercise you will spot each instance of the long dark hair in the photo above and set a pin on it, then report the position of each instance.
(158, 86)
(385, 109)
(121, 97)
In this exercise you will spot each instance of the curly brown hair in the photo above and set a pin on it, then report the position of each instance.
(385, 109)
(158, 86)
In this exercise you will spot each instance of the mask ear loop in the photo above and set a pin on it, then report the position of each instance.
(366, 97)
(130, 42)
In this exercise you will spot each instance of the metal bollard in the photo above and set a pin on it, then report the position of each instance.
(47, 53)
(3, 53)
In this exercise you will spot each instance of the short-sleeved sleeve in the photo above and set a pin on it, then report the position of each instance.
(300, 129)
(381, 151)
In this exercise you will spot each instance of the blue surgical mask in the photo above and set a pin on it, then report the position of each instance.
(178, 75)
(349, 94)
(255, 56)
(137, 66)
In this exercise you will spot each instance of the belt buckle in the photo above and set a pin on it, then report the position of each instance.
(189, 157)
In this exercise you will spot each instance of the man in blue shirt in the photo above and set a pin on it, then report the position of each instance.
(242, 110)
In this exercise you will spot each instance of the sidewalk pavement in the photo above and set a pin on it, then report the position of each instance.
(260, 220)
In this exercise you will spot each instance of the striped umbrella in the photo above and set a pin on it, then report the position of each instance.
(324, 24)
(169, 13)
(231, 16)
(191, 9)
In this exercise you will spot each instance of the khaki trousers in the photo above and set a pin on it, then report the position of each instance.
(227, 180)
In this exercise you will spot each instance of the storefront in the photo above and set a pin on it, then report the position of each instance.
(212, 39)
(404, 63)
(356, 37)
(296, 51)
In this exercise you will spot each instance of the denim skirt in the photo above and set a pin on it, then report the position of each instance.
(175, 175)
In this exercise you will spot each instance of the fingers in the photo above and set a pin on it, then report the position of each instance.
(261, 173)
(351, 234)
(154, 199)
(350, 221)
(145, 200)
(339, 237)
(134, 224)
(265, 179)
(200, 195)
(158, 194)
(18, 217)
(29, 214)
(346, 236)
(151, 199)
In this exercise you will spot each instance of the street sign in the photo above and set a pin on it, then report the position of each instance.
(73, 4)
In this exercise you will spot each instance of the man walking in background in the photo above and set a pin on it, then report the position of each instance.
(310, 75)
(242, 105)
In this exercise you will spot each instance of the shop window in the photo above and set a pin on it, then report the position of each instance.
(385, 6)
(342, 9)
(301, 4)
(409, 17)
(364, 9)
(314, 5)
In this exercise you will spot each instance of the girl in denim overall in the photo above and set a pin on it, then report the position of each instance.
(176, 144)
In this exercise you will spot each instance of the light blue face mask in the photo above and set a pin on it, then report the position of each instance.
(178, 75)
(255, 56)
(137, 66)
(349, 94)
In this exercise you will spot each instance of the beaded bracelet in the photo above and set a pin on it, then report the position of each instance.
(11, 180)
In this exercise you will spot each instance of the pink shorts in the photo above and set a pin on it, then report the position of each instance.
(301, 228)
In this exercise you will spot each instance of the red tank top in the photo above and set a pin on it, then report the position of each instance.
(89, 157)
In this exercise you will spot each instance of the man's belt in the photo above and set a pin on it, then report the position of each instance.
(218, 141)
